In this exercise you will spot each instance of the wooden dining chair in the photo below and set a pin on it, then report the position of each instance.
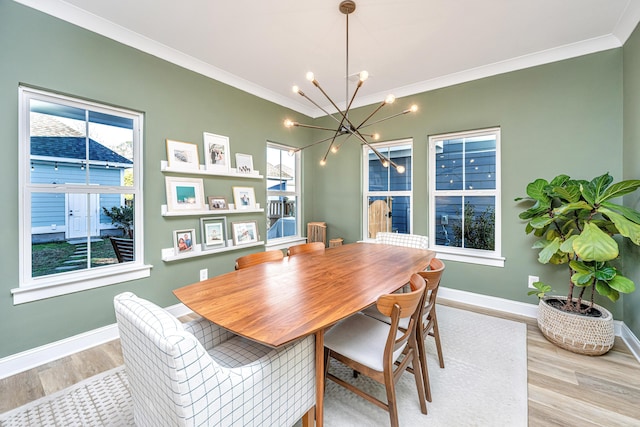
(428, 326)
(259, 258)
(373, 347)
(305, 248)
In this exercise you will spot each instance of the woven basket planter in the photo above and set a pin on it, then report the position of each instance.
(592, 336)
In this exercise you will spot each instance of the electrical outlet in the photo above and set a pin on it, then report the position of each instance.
(204, 274)
(444, 220)
(532, 280)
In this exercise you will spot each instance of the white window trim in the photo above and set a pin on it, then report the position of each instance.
(365, 182)
(33, 289)
(285, 242)
(472, 256)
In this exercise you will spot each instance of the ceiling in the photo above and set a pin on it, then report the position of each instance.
(407, 46)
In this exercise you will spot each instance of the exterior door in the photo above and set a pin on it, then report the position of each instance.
(82, 217)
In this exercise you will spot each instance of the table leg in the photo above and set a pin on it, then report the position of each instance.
(319, 377)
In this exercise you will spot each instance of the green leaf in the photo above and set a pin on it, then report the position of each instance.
(570, 194)
(625, 227)
(630, 214)
(567, 245)
(594, 244)
(619, 189)
(545, 255)
(536, 190)
(579, 266)
(580, 279)
(605, 273)
(599, 185)
(622, 284)
(588, 192)
(569, 207)
(559, 180)
(604, 290)
(541, 221)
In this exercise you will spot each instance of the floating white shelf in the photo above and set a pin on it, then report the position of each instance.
(164, 167)
(168, 254)
(165, 212)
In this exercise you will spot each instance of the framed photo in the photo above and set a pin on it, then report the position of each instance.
(244, 163)
(217, 203)
(184, 240)
(216, 153)
(244, 197)
(182, 155)
(214, 232)
(245, 232)
(184, 194)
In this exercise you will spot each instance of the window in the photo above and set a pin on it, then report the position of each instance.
(80, 185)
(283, 193)
(387, 194)
(464, 188)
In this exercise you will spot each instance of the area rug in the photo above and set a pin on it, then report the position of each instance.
(484, 383)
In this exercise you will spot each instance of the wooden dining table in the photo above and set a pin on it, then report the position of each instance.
(279, 302)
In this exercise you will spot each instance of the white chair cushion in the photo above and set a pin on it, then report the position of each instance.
(362, 339)
(237, 352)
(372, 311)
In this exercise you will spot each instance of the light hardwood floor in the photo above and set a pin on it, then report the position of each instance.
(564, 389)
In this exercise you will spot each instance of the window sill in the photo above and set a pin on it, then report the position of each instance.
(284, 243)
(78, 282)
(488, 260)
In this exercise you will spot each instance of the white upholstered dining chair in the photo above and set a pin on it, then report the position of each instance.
(198, 373)
(400, 239)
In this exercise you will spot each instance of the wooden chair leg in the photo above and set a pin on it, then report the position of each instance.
(389, 385)
(422, 352)
(436, 335)
(308, 419)
(417, 369)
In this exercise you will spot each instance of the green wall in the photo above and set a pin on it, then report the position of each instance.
(631, 153)
(565, 117)
(42, 51)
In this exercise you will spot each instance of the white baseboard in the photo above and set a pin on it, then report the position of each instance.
(34, 357)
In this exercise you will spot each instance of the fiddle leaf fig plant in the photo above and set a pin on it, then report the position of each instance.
(575, 223)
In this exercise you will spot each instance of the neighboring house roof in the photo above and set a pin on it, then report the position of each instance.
(52, 138)
(73, 147)
(279, 172)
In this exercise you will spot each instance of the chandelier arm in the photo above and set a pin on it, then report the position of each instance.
(387, 118)
(344, 116)
(318, 142)
(302, 125)
(382, 104)
(304, 95)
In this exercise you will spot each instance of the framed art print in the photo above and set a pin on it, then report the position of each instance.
(214, 232)
(216, 152)
(217, 203)
(184, 194)
(244, 163)
(182, 155)
(244, 232)
(244, 197)
(184, 240)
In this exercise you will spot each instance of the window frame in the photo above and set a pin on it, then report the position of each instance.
(284, 242)
(472, 256)
(366, 193)
(36, 288)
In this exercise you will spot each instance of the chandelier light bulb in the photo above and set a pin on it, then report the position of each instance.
(389, 99)
(295, 89)
(400, 169)
(385, 163)
(334, 149)
(292, 152)
(288, 123)
(323, 162)
(364, 75)
(310, 76)
(376, 136)
(414, 108)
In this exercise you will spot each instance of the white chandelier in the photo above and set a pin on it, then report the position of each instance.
(345, 126)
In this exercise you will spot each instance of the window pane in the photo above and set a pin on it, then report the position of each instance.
(466, 222)
(281, 193)
(380, 216)
(110, 150)
(378, 174)
(449, 155)
(480, 163)
(388, 178)
(69, 231)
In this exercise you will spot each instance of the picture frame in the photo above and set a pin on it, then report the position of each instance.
(182, 155)
(244, 197)
(244, 232)
(244, 163)
(213, 232)
(216, 153)
(184, 240)
(217, 203)
(184, 194)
